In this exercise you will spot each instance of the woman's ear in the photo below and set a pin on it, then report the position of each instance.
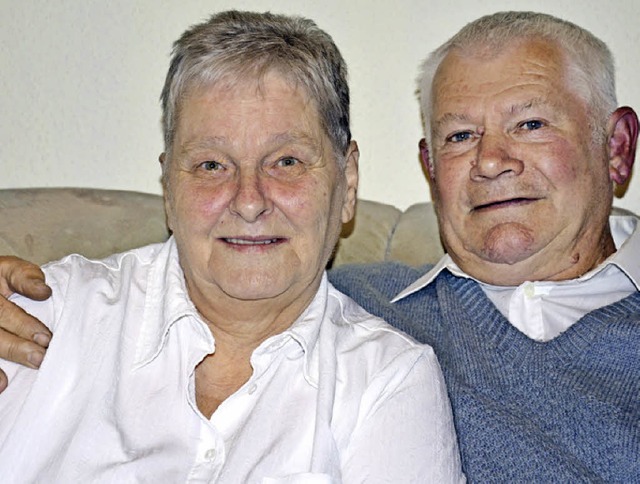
(351, 176)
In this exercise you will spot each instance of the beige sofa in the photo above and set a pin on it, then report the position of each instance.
(43, 224)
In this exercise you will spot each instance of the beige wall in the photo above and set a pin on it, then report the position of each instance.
(80, 80)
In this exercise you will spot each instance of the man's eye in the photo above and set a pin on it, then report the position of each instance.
(211, 165)
(532, 124)
(459, 137)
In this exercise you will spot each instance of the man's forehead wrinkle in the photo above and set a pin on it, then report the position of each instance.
(527, 105)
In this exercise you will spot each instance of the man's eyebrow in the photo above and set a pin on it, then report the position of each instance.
(449, 118)
(527, 105)
(512, 110)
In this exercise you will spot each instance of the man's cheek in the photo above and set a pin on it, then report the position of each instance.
(562, 164)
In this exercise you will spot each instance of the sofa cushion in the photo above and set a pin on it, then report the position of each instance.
(416, 240)
(366, 238)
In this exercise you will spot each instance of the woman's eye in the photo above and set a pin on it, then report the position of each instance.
(532, 124)
(287, 162)
(286, 167)
(459, 137)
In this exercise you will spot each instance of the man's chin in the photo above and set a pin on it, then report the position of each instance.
(508, 243)
(506, 257)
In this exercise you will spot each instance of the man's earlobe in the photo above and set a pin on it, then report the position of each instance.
(426, 160)
(623, 136)
(162, 157)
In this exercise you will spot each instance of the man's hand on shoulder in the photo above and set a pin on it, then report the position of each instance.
(23, 338)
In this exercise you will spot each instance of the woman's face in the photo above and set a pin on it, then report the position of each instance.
(254, 193)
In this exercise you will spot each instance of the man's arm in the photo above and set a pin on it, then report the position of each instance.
(23, 338)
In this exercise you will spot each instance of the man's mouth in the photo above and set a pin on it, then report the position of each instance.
(504, 203)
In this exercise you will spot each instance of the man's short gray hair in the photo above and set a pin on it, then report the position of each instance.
(233, 46)
(590, 60)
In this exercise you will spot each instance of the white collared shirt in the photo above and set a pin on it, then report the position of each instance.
(544, 309)
(340, 395)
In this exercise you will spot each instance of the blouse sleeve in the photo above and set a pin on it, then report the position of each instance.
(407, 434)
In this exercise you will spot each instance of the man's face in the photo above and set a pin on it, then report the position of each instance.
(522, 190)
(255, 196)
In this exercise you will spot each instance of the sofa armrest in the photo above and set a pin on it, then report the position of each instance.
(44, 224)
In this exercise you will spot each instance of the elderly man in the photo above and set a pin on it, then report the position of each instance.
(224, 355)
(535, 310)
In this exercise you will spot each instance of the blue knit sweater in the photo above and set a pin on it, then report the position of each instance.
(563, 411)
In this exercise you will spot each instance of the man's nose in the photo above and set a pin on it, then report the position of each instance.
(250, 200)
(495, 157)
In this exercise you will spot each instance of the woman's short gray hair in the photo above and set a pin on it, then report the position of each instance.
(234, 46)
(590, 60)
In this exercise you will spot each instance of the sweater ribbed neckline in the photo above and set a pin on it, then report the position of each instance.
(471, 311)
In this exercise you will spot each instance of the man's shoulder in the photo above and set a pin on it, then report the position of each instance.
(381, 279)
(373, 286)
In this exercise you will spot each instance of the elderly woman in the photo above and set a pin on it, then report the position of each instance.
(224, 354)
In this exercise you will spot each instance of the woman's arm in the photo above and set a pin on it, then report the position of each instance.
(406, 433)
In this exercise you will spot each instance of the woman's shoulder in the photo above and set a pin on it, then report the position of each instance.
(77, 265)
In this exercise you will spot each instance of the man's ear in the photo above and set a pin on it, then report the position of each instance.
(351, 176)
(426, 160)
(622, 131)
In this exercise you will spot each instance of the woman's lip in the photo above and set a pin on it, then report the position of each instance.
(250, 241)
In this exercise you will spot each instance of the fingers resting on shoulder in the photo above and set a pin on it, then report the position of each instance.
(23, 339)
